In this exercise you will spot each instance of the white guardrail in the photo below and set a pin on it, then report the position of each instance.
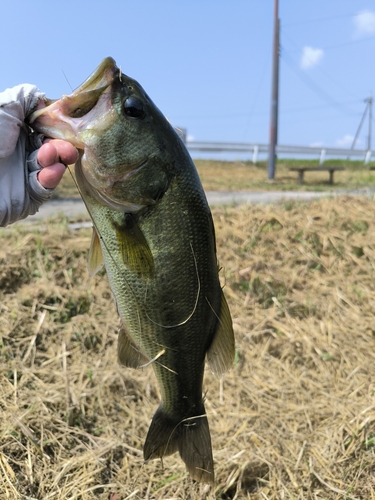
(255, 149)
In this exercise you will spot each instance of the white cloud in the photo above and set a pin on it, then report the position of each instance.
(310, 57)
(347, 141)
(364, 23)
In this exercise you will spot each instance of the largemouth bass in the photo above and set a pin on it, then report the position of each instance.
(154, 233)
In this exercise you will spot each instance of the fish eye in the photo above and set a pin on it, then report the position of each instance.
(134, 107)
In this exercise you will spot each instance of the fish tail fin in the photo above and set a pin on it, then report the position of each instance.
(195, 448)
(190, 437)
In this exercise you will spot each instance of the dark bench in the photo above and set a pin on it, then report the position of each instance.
(301, 171)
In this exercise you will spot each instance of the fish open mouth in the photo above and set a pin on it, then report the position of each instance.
(56, 120)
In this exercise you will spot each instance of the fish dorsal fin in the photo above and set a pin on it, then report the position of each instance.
(128, 353)
(95, 259)
(220, 355)
(134, 248)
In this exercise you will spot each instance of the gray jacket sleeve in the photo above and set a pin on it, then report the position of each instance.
(21, 194)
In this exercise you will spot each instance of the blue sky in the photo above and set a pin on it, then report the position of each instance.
(207, 63)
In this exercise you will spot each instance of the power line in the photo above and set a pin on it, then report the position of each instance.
(255, 99)
(311, 108)
(308, 21)
(344, 44)
(319, 68)
(225, 116)
(312, 85)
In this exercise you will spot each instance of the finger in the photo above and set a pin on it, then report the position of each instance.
(66, 152)
(50, 176)
(47, 155)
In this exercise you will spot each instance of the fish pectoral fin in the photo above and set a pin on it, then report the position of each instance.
(190, 437)
(95, 259)
(134, 248)
(127, 352)
(220, 355)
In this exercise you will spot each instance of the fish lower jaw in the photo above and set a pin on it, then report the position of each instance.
(58, 126)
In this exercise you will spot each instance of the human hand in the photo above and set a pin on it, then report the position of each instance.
(29, 169)
(53, 156)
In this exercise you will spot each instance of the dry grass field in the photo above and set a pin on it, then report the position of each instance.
(293, 419)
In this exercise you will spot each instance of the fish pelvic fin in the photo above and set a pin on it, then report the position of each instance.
(190, 437)
(220, 355)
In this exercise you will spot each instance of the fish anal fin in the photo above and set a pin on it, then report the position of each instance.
(220, 354)
(127, 351)
(190, 437)
(95, 258)
(134, 248)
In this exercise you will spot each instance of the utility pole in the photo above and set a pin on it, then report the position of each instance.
(369, 103)
(368, 108)
(275, 92)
